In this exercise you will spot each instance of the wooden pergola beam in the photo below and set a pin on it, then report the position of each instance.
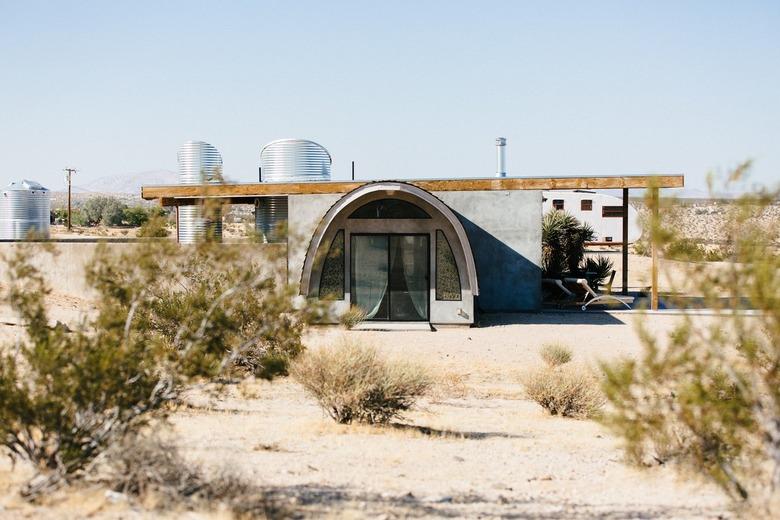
(241, 193)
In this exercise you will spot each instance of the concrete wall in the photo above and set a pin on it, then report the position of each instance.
(505, 231)
(304, 214)
(64, 270)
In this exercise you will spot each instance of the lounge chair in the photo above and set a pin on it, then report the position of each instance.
(592, 296)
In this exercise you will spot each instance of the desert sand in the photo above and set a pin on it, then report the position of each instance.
(475, 448)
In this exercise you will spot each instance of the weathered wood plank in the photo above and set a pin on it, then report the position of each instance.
(487, 184)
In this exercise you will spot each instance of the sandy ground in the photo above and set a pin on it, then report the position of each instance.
(475, 448)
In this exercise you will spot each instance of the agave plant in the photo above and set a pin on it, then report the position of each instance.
(563, 248)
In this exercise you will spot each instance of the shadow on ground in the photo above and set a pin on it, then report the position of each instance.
(308, 501)
(549, 317)
(455, 434)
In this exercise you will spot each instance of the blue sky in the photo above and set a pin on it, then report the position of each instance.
(405, 89)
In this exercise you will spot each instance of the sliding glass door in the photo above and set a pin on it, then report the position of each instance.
(390, 276)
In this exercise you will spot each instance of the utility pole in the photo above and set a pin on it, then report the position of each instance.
(69, 172)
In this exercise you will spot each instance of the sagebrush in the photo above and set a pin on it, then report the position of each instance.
(568, 391)
(352, 382)
(555, 354)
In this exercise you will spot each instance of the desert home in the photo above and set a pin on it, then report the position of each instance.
(432, 250)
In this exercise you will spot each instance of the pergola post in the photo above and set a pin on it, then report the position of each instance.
(625, 240)
(654, 249)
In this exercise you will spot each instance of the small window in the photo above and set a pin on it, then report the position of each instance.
(558, 204)
(608, 239)
(612, 211)
(389, 209)
(586, 205)
(447, 275)
(332, 278)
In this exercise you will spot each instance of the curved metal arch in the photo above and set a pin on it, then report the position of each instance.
(388, 186)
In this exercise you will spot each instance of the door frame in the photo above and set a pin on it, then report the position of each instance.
(427, 316)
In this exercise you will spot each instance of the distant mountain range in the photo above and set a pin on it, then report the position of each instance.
(129, 183)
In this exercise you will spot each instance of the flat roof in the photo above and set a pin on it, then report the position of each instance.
(182, 194)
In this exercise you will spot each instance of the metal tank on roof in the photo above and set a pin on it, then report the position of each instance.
(25, 207)
(199, 163)
(287, 160)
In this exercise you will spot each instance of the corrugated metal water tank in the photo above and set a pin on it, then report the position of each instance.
(287, 160)
(25, 207)
(199, 163)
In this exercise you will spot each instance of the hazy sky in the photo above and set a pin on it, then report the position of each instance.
(405, 89)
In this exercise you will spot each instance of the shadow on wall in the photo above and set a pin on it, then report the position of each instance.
(508, 281)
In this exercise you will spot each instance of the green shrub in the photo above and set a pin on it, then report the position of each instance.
(352, 382)
(708, 393)
(567, 391)
(555, 354)
(108, 211)
(165, 316)
(155, 227)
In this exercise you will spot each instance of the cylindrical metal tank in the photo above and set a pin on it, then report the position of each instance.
(199, 163)
(287, 160)
(25, 209)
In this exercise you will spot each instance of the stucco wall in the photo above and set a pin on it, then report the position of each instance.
(505, 231)
(304, 213)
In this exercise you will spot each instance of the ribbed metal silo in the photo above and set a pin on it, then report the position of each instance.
(199, 163)
(287, 160)
(25, 208)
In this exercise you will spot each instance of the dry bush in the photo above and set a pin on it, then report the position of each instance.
(566, 391)
(555, 354)
(153, 471)
(353, 317)
(352, 382)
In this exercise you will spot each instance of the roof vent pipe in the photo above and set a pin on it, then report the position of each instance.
(500, 156)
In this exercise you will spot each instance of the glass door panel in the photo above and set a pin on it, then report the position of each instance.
(370, 275)
(409, 286)
(390, 276)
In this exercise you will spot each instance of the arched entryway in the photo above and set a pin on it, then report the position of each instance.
(395, 251)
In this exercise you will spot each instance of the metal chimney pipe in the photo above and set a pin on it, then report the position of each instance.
(500, 156)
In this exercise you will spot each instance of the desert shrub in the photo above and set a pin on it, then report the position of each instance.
(708, 395)
(66, 395)
(144, 466)
(137, 216)
(353, 317)
(108, 211)
(250, 311)
(689, 250)
(565, 390)
(555, 354)
(352, 382)
(155, 227)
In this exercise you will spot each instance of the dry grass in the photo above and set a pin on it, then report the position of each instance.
(353, 317)
(555, 354)
(567, 391)
(152, 471)
(352, 382)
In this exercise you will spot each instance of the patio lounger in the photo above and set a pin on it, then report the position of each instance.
(592, 296)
